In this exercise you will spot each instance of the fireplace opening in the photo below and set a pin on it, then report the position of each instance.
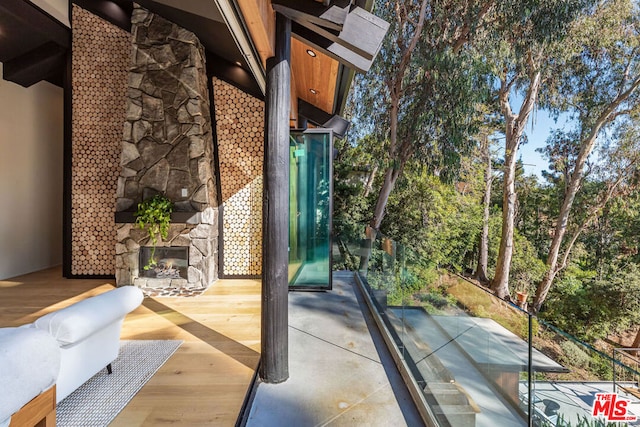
(164, 262)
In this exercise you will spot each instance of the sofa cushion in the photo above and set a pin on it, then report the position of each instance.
(29, 365)
(78, 321)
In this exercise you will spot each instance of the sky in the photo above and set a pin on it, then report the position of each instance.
(537, 135)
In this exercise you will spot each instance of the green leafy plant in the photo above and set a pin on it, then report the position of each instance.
(154, 216)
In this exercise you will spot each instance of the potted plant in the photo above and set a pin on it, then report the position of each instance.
(154, 216)
(522, 296)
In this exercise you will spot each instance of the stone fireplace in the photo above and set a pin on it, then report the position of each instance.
(167, 148)
(164, 262)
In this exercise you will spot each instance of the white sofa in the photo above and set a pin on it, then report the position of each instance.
(65, 348)
(29, 366)
(88, 334)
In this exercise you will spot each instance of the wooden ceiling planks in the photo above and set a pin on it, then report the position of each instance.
(319, 73)
(259, 17)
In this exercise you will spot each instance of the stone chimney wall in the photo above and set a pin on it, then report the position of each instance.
(168, 143)
(168, 148)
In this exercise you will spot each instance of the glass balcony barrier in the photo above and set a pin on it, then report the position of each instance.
(478, 360)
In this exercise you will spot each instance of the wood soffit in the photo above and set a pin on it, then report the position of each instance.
(309, 74)
(318, 74)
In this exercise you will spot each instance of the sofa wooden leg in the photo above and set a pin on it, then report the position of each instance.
(48, 421)
(109, 369)
(40, 412)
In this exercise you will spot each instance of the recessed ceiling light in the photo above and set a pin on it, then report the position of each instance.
(311, 53)
(313, 91)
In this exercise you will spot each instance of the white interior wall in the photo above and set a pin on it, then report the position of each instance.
(31, 177)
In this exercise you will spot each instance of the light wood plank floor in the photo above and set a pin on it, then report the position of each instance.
(205, 382)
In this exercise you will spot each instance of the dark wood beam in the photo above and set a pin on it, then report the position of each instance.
(361, 32)
(42, 63)
(325, 15)
(313, 114)
(274, 366)
(345, 77)
(331, 49)
(67, 167)
(37, 21)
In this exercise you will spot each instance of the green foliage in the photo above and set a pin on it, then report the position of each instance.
(352, 168)
(435, 301)
(591, 308)
(583, 421)
(526, 268)
(599, 63)
(400, 274)
(439, 222)
(584, 48)
(538, 206)
(154, 216)
(573, 355)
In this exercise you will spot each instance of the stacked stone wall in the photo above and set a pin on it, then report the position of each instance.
(168, 148)
(168, 145)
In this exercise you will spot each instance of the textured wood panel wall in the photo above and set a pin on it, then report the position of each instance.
(240, 135)
(100, 61)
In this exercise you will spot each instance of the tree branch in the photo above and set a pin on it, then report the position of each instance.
(465, 31)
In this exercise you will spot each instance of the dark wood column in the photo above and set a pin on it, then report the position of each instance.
(274, 366)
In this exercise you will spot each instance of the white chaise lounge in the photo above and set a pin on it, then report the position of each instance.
(88, 333)
(65, 347)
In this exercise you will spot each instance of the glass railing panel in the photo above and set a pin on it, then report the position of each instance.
(477, 339)
(455, 350)
(567, 397)
(626, 372)
(482, 361)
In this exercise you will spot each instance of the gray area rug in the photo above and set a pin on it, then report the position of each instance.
(99, 400)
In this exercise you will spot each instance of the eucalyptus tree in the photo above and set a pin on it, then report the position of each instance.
(612, 178)
(520, 47)
(419, 96)
(597, 84)
(483, 245)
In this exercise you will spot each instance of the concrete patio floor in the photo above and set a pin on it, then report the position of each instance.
(341, 373)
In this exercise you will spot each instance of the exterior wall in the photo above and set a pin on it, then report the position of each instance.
(100, 60)
(240, 138)
(31, 153)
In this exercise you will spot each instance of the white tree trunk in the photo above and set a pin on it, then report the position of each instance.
(586, 147)
(514, 128)
(483, 247)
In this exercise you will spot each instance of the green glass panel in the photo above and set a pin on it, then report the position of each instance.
(310, 192)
